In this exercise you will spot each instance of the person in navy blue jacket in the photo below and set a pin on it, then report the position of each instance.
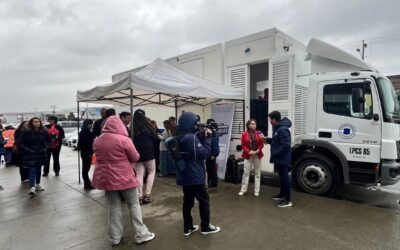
(211, 163)
(194, 150)
(281, 155)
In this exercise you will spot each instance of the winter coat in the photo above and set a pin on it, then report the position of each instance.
(97, 127)
(245, 142)
(115, 155)
(85, 142)
(215, 146)
(57, 136)
(33, 144)
(2, 143)
(145, 143)
(281, 143)
(193, 150)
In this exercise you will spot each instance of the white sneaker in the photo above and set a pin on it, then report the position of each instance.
(38, 187)
(256, 194)
(32, 192)
(241, 193)
(146, 238)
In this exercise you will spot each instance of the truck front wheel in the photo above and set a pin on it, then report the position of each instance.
(316, 174)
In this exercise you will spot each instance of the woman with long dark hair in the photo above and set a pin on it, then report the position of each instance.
(23, 170)
(34, 142)
(144, 136)
(85, 145)
(252, 145)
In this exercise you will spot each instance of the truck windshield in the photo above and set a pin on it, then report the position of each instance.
(390, 103)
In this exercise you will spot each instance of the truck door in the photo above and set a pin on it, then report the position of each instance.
(349, 126)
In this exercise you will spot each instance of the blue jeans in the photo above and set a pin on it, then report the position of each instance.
(165, 163)
(34, 175)
(283, 172)
(7, 155)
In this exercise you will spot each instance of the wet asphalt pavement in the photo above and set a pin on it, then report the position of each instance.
(64, 216)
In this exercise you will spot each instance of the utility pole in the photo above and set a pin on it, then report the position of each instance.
(54, 109)
(362, 51)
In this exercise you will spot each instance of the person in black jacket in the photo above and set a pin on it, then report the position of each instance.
(144, 136)
(85, 145)
(56, 133)
(23, 170)
(281, 155)
(97, 124)
(33, 143)
(211, 162)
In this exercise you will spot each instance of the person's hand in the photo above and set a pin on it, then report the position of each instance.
(208, 131)
(212, 158)
(251, 152)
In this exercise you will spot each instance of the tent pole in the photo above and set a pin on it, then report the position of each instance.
(244, 113)
(79, 152)
(131, 102)
(176, 109)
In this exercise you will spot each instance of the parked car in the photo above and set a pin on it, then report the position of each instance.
(68, 135)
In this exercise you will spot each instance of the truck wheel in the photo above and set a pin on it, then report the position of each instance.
(316, 174)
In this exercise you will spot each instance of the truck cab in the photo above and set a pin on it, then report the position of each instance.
(352, 132)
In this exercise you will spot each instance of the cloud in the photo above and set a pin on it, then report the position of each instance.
(51, 48)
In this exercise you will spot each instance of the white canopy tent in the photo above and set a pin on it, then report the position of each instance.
(160, 83)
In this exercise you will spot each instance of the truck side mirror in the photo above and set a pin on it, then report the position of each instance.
(357, 100)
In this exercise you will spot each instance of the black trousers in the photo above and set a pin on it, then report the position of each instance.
(283, 172)
(24, 173)
(86, 164)
(55, 152)
(212, 172)
(200, 193)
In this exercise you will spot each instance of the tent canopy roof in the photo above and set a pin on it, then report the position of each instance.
(160, 84)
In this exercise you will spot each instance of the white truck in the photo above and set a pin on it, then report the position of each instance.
(345, 114)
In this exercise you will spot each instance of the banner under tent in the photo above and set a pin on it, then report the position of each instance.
(159, 83)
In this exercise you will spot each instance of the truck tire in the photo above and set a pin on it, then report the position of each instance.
(316, 174)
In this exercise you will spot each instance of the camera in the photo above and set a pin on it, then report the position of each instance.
(202, 128)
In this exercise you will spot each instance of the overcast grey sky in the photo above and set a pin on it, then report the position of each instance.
(51, 48)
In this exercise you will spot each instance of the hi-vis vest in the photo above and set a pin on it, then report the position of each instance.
(8, 135)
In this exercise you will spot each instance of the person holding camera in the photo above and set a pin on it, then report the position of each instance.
(195, 147)
(211, 162)
(252, 145)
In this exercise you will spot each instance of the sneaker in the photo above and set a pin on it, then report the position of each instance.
(1, 188)
(140, 200)
(25, 181)
(277, 197)
(210, 230)
(57, 174)
(188, 232)
(39, 188)
(241, 193)
(45, 174)
(147, 198)
(256, 194)
(116, 242)
(32, 192)
(284, 203)
(146, 238)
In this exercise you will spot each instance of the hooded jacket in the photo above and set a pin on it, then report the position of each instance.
(193, 150)
(115, 154)
(281, 143)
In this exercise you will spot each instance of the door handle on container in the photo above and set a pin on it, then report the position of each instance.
(323, 134)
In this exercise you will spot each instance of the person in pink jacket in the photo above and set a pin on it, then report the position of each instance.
(114, 173)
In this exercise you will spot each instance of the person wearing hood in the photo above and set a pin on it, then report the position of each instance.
(281, 155)
(194, 150)
(85, 145)
(114, 173)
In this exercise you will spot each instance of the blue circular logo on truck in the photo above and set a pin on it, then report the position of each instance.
(347, 131)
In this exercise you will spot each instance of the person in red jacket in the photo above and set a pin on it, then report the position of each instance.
(252, 146)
